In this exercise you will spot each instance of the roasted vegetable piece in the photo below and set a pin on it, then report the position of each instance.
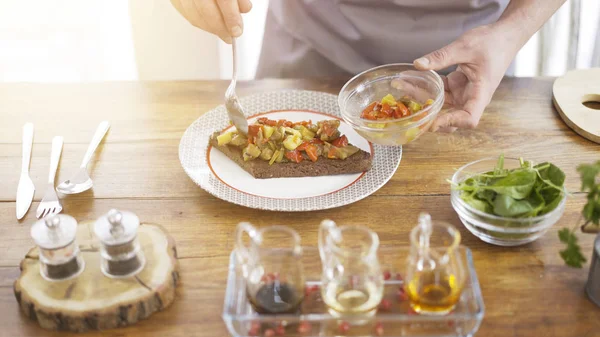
(291, 142)
(389, 100)
(401, 110)
(239, 140)
(253, 131)
(414, 106)
(340, 142)
(328, 130)
(266, 154)
(312, 152)
(250, 152)
(268, 131)
(225, 138)
(386, 111)
(294, 156)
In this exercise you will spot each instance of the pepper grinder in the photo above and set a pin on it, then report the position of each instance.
(121, 255)
(593, 283)
(59, 253)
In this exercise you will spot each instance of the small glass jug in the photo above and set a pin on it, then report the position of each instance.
(435, 275)
(272, 267)
(352, 278)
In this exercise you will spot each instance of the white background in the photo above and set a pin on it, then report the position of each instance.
(120, 40)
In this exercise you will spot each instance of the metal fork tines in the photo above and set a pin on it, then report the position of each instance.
(234, 108)
(50, 204)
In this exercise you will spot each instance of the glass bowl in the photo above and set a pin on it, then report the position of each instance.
(399, 80)
(498, 230)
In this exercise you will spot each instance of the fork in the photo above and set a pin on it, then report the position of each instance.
(234, 108)
(50, 204)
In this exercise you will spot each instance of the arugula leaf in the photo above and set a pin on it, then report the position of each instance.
(480, 205)
(572, 254)
(517, 184)
(506, 206)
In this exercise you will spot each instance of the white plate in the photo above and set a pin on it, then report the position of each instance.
(221, 177)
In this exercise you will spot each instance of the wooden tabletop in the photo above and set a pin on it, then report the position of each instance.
(527, 290)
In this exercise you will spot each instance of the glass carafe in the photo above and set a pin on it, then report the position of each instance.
(272, 268)
(352, 278)
(436, 275)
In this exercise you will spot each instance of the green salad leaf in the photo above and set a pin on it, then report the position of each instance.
(523, 192)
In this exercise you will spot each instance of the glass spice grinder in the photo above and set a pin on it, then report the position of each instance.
(59, 252)
(121, 254)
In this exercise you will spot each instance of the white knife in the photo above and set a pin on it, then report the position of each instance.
(26, 188)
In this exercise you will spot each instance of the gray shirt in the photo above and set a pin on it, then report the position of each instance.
(318, 38)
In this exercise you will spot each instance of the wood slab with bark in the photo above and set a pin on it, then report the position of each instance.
(93, 301)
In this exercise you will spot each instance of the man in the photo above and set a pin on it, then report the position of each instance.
(472, 41)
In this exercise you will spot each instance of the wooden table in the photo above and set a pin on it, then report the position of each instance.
(527, 290)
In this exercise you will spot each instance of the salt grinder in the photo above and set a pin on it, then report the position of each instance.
(59, 253)
(120, 252)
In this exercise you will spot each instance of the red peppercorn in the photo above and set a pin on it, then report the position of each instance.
(310, 290)
(402, 295)
(254, 329)
(344, 327)
(269, 333)
(304, 328)
(379, 329)
(387, 275)
(385, 305)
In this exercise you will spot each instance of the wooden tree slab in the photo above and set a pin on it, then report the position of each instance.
(93, 301)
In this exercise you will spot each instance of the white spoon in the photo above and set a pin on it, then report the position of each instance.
(81, 181)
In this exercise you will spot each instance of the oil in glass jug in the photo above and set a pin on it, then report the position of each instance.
(435, 275)
(352, 282)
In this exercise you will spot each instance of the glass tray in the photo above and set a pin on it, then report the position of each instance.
(314, 319)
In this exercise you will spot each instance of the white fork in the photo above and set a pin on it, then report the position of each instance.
(50, 204)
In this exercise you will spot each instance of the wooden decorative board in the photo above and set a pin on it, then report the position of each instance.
(576, 96)
(92, 301)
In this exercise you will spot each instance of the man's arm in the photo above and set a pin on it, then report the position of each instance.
(523, 18)
(482, 55)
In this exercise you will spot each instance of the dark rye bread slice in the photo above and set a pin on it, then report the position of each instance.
(260, 169)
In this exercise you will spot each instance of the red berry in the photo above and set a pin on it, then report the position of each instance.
(280, 330)
(254, 329)
(344, 327)
(310, 290)
(269, 333)
(304, 328)
(402, 296)
(399, 277)
(379, 329)
(387, 275)
(385, 305)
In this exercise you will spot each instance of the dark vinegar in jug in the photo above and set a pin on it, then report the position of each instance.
(276, 298)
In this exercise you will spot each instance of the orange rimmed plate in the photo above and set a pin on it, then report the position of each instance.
(218, 175)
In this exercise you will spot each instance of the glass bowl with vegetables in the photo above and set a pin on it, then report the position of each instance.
(508, 201)
(392, 104)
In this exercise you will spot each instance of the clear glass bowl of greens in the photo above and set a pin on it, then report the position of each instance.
(508, 201)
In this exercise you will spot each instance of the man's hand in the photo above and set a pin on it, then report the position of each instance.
(481, 60)
(220, 17)
(482, 56)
